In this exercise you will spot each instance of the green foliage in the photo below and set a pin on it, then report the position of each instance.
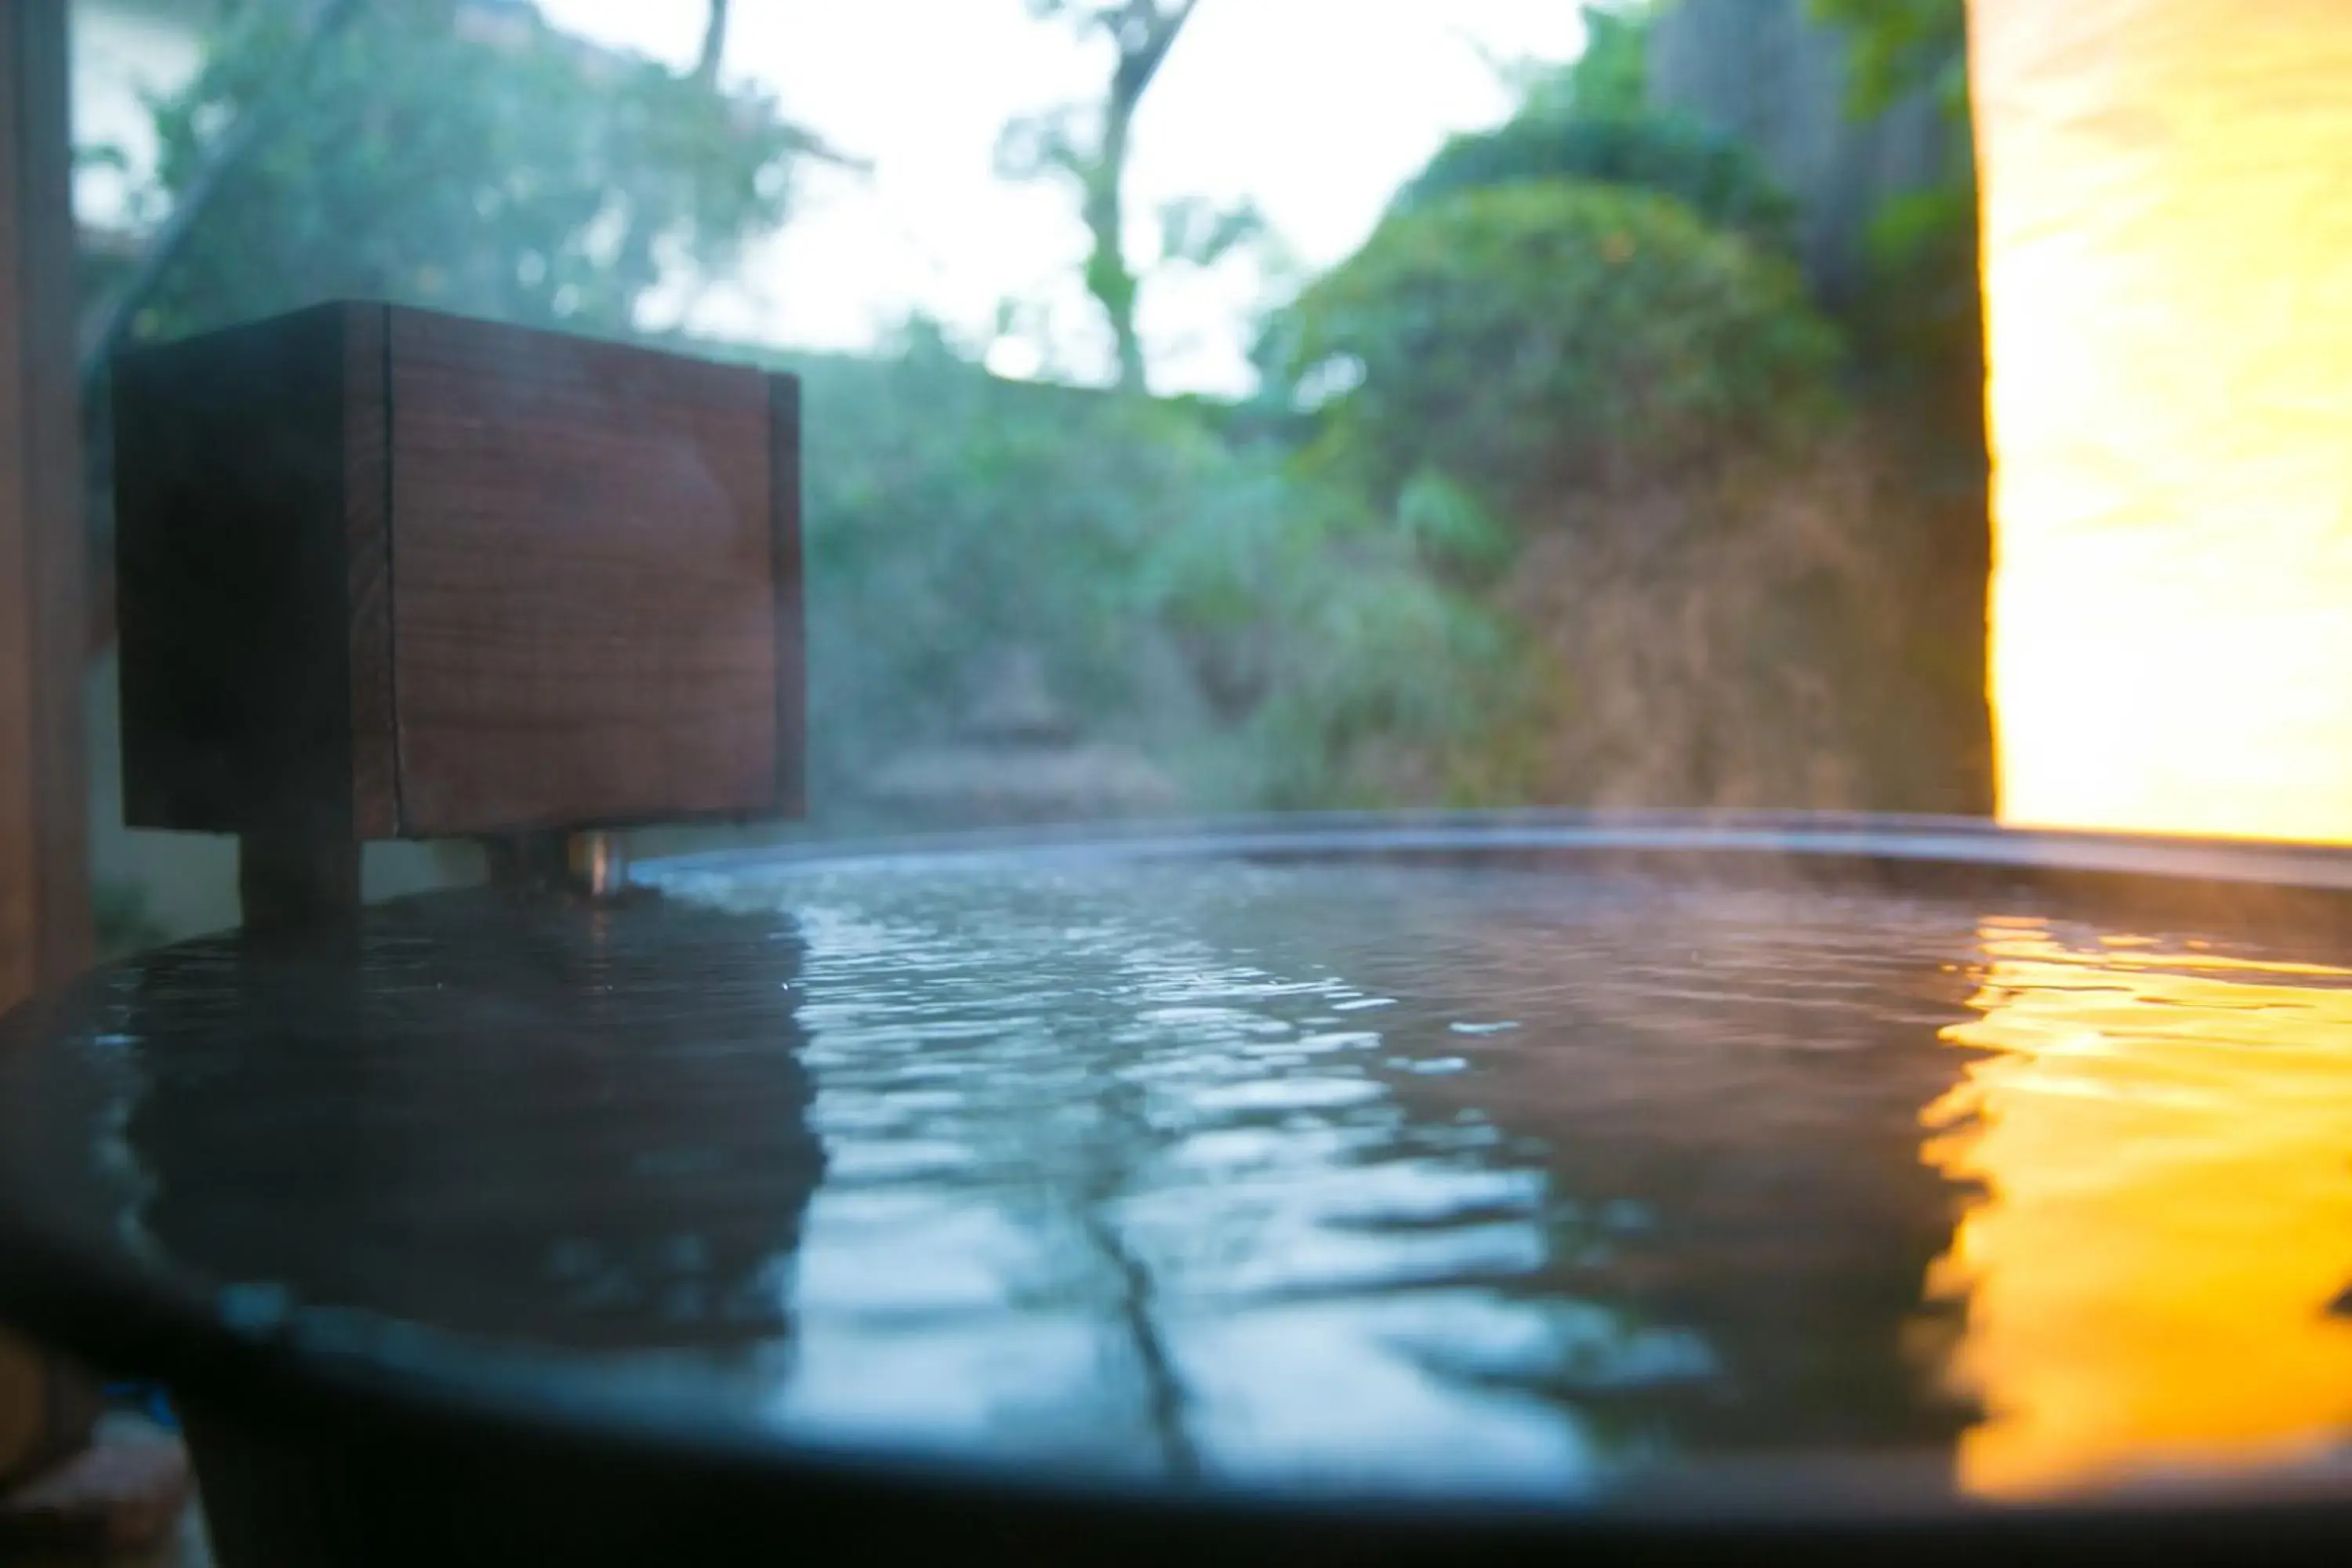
(1714, 175)
(1088, 147)
(950, 516)
(1591, 120)
(1536, 338)
(1200, 233)
(1264, 639)
(1450, 529)
(1919, 322)
(1902, 46)
(1922, 310)
(1925, 240)
(1394, 692)
(481, 163)
(1354, 676)
(1611, 78)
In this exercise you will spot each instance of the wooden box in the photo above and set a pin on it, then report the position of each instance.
(383, 572)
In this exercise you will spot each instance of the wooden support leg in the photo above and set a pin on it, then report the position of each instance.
(296, 881)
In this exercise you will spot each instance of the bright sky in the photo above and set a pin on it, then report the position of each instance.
(1317, 110)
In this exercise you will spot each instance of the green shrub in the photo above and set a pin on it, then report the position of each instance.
(1715, 176)
(1536, 338)
(1919, 325)
(1327, 633)
(1611, 75)
(1262, 639)
(952, 517)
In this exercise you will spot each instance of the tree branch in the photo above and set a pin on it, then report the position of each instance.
(1141, 32)
(1139, 65)
(714, 44)
(105, 320)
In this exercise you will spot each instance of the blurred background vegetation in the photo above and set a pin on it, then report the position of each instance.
(1587, 480)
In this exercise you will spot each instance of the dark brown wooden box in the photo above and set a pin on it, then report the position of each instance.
(383, 572)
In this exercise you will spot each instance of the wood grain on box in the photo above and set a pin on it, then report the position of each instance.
(387, 573)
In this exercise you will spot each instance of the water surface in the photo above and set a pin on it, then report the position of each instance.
(1316, 1175)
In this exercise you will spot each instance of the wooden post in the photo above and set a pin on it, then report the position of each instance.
(64, 1492)
(44, 932)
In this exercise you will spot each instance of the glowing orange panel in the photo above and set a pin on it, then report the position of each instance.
(2169, 276)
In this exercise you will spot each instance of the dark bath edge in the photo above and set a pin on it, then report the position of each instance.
(2275, 888)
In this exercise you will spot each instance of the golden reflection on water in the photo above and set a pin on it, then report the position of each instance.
(2165, 1142)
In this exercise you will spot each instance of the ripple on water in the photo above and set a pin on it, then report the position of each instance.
(1331, 1175)
(1457, 1178)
